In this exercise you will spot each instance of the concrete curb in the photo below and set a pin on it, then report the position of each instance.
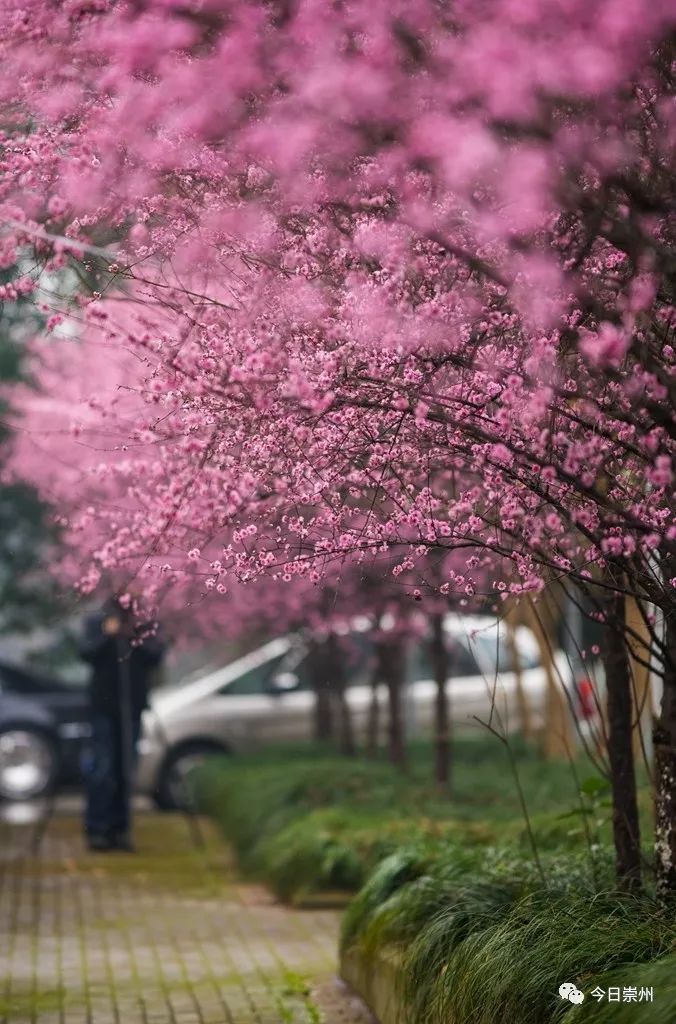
(376, 981)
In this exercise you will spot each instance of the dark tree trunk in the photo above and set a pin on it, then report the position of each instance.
(664, 741)
(626, 833)
(373, 723)
(323, 714)
(442, 718)
(336, 661)
(346, 740)
(323, 709)
(393, 665)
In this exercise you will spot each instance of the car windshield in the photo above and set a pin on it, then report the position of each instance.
(356, 650)
(255, 680)
(461, 661)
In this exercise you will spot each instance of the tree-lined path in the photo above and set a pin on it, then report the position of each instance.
(168, 935)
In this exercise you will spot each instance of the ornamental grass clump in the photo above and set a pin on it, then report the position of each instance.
(482, 935)
(509, 966)
(444, 877)
(395, 871)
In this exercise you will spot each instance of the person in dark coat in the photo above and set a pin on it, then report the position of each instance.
(123, 657)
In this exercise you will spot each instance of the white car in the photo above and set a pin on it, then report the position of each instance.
(266, 697)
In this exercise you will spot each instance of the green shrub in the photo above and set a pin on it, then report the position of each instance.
(315, 853)
(304, 819)
(306, 825)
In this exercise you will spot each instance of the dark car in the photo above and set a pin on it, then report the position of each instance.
(43, 725)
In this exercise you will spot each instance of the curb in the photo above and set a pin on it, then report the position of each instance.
(376, 981)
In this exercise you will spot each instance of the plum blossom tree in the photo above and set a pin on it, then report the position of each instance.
(398, 277)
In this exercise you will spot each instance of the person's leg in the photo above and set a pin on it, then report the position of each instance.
(125, 761)
(99, 781)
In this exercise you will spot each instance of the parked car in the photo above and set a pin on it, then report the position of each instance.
(267, 697)
(43, 723)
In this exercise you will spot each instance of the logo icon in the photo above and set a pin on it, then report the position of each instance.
(571, 992)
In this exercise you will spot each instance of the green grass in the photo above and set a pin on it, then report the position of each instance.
(295, 1004)
(306, 821)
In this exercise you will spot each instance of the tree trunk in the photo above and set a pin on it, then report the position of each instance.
(338, 682)
(639, 660)
(393, 675)
(346, 739)
(323, 709)
(442, 718)
(323, 714)
(373, 723)
(664, 745)
(626, 834)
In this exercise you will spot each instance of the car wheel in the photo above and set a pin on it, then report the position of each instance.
(28, 763)
(173, 790)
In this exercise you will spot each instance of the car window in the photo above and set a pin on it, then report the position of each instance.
(296, 662)
(496, 653)
(27, 683)
(356, 649)
(359, 657)
(355, 656)
(253, 681)
(461, 661)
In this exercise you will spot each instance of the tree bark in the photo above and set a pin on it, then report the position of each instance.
(323, 714)
(323, 709)
(334, 672)
(336, 660)
(626, 833)
(442, 718)
(664, 746)
(346, 740)
(639, 643)
(393, 665)
(373, 723)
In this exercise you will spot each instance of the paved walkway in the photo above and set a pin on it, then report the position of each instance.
(169, 934)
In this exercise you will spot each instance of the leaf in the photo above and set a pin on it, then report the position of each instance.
(594, 786)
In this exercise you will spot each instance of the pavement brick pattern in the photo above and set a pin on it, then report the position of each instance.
(169, 935)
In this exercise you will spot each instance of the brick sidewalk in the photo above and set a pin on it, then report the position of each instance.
(167, 935)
